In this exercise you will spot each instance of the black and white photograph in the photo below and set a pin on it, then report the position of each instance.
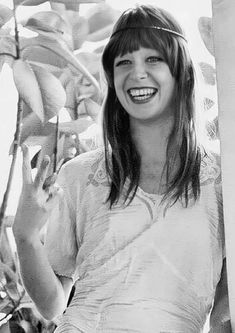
(117, 172)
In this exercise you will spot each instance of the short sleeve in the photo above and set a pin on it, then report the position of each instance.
(60, 241)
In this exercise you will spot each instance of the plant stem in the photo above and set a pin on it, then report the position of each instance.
(8, 54)
(56, 144)
(16, 139)
(12, 167)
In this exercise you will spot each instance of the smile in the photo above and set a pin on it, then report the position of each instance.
(141, 94)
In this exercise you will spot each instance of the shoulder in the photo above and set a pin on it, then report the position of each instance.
(83, 162)
(89, 167)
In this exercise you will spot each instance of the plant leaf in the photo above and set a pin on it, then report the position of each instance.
(51, 24)
(52, 93)
(27, 86)
(4, 268)
(75, 2)
(91, 61)
(70, 95)
(5, 14)
(5, 305)
(205, 29)
(100, 34)
(48, 149)
(76, 126)
(50, 68)
(12, 290)
(100, 17)
(208, 72)
(80, 28)
(61, 49)
(36, 53)
(93, 109)
(7, 46)
(32, 126)
(28, 2)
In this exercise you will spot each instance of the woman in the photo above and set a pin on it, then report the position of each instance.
(138, 228)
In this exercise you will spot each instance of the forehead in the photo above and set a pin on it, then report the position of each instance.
(141, 52)
(131, 40)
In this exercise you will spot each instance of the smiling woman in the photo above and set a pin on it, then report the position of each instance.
(144, 85)
(148, 50)
(136, 226)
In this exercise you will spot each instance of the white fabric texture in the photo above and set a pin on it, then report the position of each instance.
(134, 269)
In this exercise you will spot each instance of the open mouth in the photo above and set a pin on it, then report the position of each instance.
(141, 94)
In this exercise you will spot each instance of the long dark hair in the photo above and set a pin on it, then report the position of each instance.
(123, 161)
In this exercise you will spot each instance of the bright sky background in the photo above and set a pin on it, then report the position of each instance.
(186, 11)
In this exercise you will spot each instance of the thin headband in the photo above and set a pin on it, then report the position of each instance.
(151, 27)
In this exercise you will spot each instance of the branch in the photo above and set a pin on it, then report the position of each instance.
(56, 144)
(8, 54)
(12, 167)
(16, 138)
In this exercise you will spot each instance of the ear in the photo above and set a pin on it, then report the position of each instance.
(205, 29)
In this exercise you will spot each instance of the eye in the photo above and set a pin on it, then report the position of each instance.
(122, 62)
(154, 59)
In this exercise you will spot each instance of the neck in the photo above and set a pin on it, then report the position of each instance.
(151, 139)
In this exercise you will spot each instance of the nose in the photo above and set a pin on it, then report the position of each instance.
(139, 72)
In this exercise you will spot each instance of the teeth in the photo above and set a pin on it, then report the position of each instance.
(141, 92)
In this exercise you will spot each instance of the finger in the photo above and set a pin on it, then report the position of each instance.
(53, 197)
(42, 172)
(49, 181)
(26, 166)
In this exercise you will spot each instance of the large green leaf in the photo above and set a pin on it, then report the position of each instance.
(80, 28)
(76, 126)
(91, 61)
(50, 68)
(60, 49)
(69, 3)
(12, 291)
(39, 89)
(32, 126)
(48, 149)
(93, 109)
(205, 29)
(28, 2)
(42, 55)
(51, 24)
(208, 72)
(7, 48)
(52, 92)
(100, 34)
(75, 2)
(27, 85)
(85, 90)
(71, 94)
(5, 305)
(5, 14)
(101, 19)
(4, 268)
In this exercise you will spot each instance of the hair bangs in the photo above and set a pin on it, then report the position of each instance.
(131, 40)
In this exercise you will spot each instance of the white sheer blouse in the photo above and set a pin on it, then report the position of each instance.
(135, 270)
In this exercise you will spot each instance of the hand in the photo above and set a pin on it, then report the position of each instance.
(37, 199)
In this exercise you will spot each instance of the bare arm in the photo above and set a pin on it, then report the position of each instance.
(48, 292)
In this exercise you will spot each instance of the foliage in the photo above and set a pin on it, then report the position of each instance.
(209, 74)
(52, 73)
